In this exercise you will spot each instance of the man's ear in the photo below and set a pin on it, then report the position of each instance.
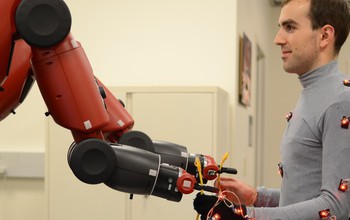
(327, 36)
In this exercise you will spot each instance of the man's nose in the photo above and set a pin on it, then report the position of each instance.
(279, 39)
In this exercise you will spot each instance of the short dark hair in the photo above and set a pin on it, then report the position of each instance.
(332, 12)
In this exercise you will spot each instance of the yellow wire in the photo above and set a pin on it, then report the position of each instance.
(224, 158)
(197, 163)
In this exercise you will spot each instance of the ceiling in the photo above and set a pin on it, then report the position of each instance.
(278, 2)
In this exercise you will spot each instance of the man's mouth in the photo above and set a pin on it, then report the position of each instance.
(286, 53)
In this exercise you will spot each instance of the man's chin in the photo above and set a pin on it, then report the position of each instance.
(289, 69)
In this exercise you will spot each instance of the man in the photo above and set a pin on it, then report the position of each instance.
(315, 150)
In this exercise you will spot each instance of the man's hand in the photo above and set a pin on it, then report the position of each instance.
(247, 195)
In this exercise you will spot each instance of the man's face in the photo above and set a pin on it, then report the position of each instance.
(299, 43)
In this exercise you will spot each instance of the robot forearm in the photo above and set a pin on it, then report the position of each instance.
(175, 154)
(138, 165)
(124, 168)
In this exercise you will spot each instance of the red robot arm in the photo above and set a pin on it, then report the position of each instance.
(7, 11)
(19, 80)
(105, 149)
(71, 92)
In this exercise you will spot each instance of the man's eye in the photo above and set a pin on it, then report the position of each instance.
(289, 28)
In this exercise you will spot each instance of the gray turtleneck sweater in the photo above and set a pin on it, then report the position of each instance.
(315, 153)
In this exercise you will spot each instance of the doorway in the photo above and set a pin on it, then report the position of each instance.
(260, 117)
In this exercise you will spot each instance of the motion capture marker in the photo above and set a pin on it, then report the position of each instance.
(87, 124)
(324, 214)
(238, 211)
(289, 116)
(345, 122)
(344, 185)
(152, 172)
(184, 154)
(280, 169)
(75, 44)
(120, 123)
(346, 82)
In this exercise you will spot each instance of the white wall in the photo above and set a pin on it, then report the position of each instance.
(159, 42)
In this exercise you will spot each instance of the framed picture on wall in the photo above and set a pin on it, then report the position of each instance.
(245, 66)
